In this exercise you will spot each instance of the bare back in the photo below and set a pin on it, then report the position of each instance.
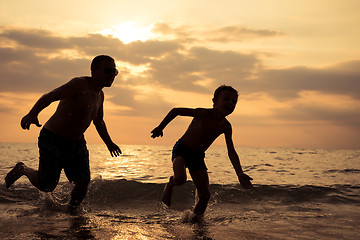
(204, 129)
(75, 112)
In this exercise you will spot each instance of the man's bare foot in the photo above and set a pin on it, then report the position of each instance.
(196, 218)
(15, 174)
(74, 210)
(190, 217)
(166, 195)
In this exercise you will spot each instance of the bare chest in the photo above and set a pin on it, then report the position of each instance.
(206, 128)
(85, 104)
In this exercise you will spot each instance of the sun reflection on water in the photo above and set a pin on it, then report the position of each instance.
(268, 166)
(137, 163)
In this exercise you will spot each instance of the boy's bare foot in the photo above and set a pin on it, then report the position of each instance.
(166, 195)
(14, 174)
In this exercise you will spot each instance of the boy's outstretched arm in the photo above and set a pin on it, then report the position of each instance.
(244, 179)
(158, 131)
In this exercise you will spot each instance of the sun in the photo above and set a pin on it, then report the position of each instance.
(128, 32)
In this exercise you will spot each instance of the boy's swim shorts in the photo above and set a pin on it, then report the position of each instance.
(193, 160)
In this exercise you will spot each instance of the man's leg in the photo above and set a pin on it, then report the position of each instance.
(32, 175)
(201, 181)
(19, 170)
(77, 170)
(179, 178)
(79, 192)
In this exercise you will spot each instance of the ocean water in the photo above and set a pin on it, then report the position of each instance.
(298, 194)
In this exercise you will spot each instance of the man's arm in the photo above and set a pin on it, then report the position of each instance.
(62, 92)
(234, 158)
(158, 131)
(102, 130)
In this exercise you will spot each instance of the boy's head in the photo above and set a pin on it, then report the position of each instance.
(223, 88)
(225, 99)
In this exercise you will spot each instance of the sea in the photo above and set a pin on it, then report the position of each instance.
(297, 194)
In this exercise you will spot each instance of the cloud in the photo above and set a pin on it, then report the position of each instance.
(320, 113)
(288, 83)
(162, 28)
(136, 53)
(238, 33)
(12, 103)
(183, 34)
(232, 33)
(46, 42)
(96, 44)
(170, 63)
(153, 48)
(138, 102)
(139, 52)
(23, 71)
(36, 38)
(6, 109)
(39, 60)
(183, 71)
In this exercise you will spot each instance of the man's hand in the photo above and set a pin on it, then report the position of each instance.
(114, 150)
(245, 181)
(157, 132)
(28, 120)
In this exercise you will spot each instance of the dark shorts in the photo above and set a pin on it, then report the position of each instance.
(193, 160)
(57, 153)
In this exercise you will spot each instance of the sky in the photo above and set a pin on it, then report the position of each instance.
(296, 65)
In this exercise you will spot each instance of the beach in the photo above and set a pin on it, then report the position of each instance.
(298, 194)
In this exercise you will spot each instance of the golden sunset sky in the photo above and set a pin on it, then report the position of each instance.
(296, 65)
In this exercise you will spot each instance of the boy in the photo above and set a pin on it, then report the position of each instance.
(189, 151)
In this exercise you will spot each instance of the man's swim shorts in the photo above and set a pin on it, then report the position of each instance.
(57, 153)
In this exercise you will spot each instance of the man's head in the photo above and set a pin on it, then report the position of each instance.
(103, 67)
(225, 99)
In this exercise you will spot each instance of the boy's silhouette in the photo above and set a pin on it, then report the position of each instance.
(189, 151)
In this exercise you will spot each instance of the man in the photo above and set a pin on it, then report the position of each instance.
(61, 141)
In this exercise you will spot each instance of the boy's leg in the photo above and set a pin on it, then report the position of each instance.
(178, 178)
(201, 181)
(179, 171)
(18, 171)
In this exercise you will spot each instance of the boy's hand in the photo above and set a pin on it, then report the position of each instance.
(157, 132)
(245, 181)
